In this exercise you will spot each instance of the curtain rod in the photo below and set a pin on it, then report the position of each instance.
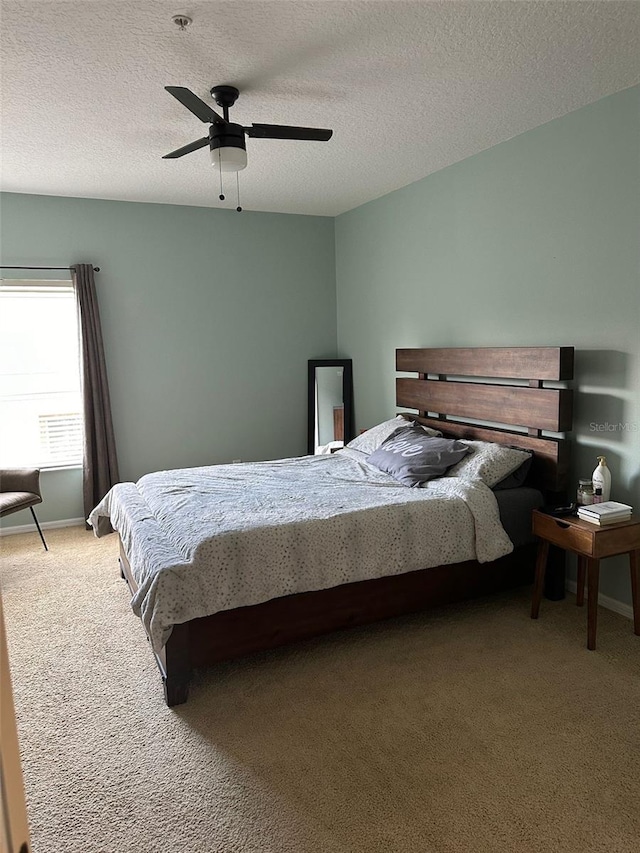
(95, 269)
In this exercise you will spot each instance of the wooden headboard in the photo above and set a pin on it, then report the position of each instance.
(445, 400)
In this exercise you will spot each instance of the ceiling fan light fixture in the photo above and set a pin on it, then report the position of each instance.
(226, 139)
(229, 158)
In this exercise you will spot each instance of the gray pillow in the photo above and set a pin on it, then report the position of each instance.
(372, 439)
(413, 458)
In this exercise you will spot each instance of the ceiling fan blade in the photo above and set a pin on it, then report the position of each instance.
(195, 105)
(283, 131)
(187, 149)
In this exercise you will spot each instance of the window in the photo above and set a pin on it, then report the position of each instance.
(40, 399)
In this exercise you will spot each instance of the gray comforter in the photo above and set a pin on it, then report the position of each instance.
(202, 540)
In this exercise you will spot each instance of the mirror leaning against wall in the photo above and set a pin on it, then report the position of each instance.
(331, 422)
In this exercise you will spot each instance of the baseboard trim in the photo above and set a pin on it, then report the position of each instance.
(620, 607)
(45, 525)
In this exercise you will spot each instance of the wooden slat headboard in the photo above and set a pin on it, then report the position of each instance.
(438, 398)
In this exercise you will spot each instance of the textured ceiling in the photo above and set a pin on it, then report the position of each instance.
(408, 87)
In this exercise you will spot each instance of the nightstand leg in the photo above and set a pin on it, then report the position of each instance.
(582, 574)
(593, 570)
(634, 564)
(538, 586)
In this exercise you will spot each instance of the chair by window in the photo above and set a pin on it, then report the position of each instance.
(20, 489)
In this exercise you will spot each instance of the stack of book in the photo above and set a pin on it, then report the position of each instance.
(609, 512)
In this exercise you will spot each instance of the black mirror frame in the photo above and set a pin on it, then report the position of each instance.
(347, 398)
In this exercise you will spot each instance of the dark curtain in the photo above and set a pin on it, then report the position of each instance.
(100, 461)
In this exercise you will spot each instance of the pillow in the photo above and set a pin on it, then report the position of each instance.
(372, 439)
(489, 462)
(412, 457)
(517, 479)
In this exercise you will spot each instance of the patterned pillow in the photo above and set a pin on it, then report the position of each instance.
(489, 462)
(373, 438)
(412, 457)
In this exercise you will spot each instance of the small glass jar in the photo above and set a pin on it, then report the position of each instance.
(585, 493)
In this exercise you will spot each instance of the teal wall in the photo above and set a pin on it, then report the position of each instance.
(208, 317)
(533, 242)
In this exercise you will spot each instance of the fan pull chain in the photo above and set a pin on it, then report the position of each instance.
(238, 208)
(221, 196)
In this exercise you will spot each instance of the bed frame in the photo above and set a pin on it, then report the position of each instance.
(444, 399)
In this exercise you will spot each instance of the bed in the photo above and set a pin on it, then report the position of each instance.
(218, 569)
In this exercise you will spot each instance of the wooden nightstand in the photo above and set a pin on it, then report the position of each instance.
(590, 542)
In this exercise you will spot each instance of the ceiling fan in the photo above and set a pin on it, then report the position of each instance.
(226, 140)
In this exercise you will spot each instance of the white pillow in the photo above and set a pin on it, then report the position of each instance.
(488, 462)
(371, 440)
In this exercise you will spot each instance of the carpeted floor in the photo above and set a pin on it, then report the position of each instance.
(469, 729)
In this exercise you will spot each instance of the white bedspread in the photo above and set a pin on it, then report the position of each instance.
(202, 540)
